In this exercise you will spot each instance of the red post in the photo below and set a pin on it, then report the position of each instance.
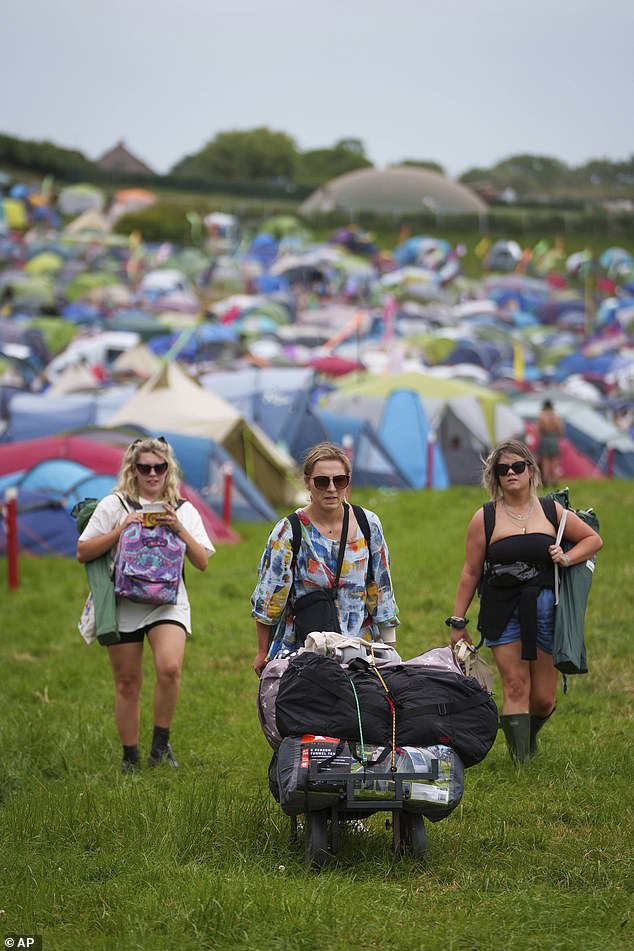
(431, 442)
(11, 523)
(227, 483)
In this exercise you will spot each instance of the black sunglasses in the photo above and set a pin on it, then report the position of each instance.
(339, 481)
(503, 468)
(145, 470)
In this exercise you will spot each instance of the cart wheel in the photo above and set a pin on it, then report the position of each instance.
(414, 834)
(316, 839)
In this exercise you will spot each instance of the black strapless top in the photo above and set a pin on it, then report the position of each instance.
(532, 548)
(497, 605)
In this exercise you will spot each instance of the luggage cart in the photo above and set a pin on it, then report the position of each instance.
(321, 826)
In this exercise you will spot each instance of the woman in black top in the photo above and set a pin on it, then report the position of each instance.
(518, 621)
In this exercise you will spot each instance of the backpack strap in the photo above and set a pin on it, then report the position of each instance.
(127, 503)
(363, 523)
(297, 537)
(550, 510)
(489, 522)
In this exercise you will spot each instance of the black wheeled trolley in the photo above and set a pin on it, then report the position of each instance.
(321, 826)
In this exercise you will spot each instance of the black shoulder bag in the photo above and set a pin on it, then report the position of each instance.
(317, 610)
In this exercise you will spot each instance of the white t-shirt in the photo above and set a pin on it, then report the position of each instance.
(132, 616)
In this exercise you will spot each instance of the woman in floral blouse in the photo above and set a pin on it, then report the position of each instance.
(365, 601)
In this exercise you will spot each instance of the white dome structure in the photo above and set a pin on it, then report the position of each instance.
(400, 190)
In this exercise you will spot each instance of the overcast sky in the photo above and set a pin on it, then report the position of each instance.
(462, 83)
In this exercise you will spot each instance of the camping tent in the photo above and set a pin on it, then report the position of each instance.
(457, 423)
(39, 414)
(595, 436)
(204, 463)
(69, 468)
(173, 401)
(271, 397)
(406, 433)
(428, 385)
(372, 463)
(572, 464)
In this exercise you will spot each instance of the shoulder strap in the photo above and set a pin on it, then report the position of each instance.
(364, 525)
(297, 537)
(489, 522)
(127, 502)
(297, 540)
(342, 545)
(550, 510)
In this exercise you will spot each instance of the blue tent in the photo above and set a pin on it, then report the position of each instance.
(32, 415)
(372, 462)
(201, 461)
(407, 435)
(45, 527)
(46, 494)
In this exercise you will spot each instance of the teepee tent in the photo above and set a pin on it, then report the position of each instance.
(172, 400)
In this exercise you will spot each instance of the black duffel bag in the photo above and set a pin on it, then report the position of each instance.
(315, 695)
(440, 706)
(432, 706)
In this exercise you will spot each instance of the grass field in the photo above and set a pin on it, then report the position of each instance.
(202, 859)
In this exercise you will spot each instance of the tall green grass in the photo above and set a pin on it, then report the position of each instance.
(203, 858)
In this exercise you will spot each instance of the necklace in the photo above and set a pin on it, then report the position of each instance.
(323, 526)
(515, 515)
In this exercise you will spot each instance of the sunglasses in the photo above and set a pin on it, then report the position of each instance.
(149, 439)
(145, 470)
(503, 468)
(339, 482)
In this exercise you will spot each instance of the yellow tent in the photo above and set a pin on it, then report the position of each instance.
(173, 401)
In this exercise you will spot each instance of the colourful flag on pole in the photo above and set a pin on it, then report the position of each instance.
(518, 360)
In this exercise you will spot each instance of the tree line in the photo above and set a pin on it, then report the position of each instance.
(265, 157)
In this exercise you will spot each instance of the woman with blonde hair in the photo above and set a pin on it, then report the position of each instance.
(510, 555)
(149, 474)
(364, 600)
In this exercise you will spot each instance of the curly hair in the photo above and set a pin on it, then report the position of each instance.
(127, 482)
(323, 451)
(490, 478)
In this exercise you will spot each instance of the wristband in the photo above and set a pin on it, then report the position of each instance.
(458, 622)
(178, 530)
(567, 560)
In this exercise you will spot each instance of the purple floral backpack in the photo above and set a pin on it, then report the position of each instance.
(149, 564)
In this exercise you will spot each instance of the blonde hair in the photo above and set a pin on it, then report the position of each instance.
(490, 478)
(325, 450)
(127, 482)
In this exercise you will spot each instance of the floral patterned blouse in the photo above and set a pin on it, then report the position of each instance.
(362, 610)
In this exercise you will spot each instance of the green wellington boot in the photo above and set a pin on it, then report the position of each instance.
(536, 725)
(517, 730)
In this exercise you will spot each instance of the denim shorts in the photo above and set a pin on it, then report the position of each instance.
(545, 624)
